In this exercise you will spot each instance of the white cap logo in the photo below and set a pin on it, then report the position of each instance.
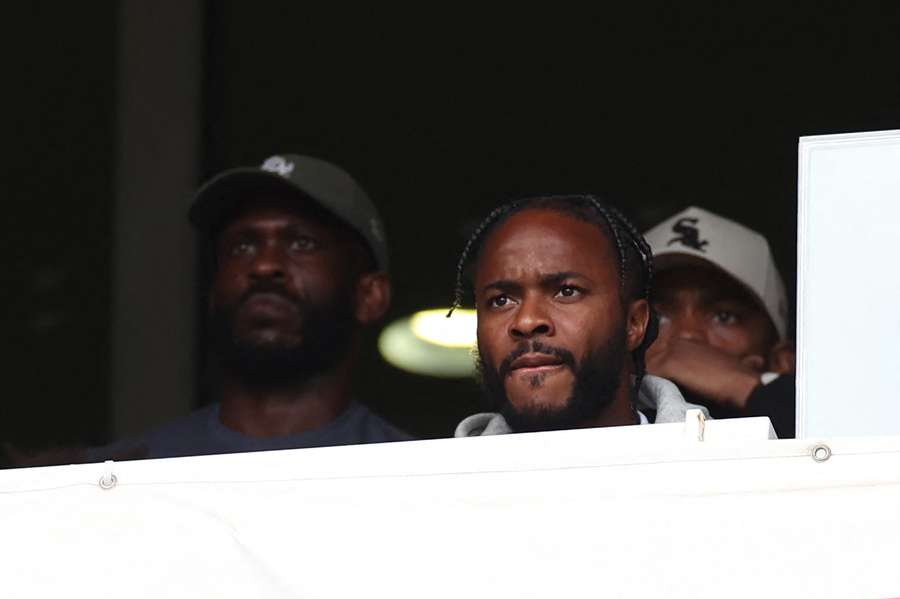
(689, 234)
(277, 164)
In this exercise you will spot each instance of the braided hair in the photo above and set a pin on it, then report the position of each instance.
(635, 258)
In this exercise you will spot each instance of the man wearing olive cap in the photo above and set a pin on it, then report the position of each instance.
(298, 268)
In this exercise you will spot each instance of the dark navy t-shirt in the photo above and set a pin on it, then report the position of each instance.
(202, 433)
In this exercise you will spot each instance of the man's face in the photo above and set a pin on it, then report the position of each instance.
(550, 319)
(281, 303)
(706, 306)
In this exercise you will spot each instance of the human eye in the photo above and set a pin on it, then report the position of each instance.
(569, 292)
(302, 243)
(241, 248)
(726, 317)
(501, 300)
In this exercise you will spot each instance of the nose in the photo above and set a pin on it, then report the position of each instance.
(688, 326)
(268, 263)
(530, 320)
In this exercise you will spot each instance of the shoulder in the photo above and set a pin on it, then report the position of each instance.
(196, 424)
(662, 396)
(362, 425)
(189, 435)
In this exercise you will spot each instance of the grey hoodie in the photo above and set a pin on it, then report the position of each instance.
(656, 394)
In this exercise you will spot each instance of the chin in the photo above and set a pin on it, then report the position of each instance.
(265, 347)
(539, 417)
(267, 338)
(542, 404)
(543, 401)
(546, 396)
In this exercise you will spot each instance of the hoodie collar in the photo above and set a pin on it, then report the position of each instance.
(655, 395)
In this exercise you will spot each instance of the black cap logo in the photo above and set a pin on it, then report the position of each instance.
(689, 235)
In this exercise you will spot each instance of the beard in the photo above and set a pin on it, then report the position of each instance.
(596, 379)
(323, 333)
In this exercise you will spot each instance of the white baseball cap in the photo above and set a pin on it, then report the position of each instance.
(740, 252)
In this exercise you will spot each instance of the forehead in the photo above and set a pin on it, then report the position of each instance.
(540, 241)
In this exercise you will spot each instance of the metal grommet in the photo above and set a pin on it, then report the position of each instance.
(109, 481)
(820, 452)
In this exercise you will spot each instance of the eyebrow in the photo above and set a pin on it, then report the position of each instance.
(502, 285)
(558, 277)
(546, 280)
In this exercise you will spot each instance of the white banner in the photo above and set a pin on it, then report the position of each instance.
(630, 511)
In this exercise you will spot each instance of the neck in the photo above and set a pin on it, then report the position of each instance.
(285, 409)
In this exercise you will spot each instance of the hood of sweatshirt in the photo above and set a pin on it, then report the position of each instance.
(656, 394)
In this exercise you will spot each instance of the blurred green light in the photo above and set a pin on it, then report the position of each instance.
(431, 344)
(434, 327)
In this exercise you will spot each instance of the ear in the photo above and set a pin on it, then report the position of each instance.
(636, 322)
(373, 297)
(783, 358)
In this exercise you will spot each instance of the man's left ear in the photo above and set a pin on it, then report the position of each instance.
(373, 297)
(783, 358)
(636, 322)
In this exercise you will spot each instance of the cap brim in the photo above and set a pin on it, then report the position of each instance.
(669, 260)
(221, 195)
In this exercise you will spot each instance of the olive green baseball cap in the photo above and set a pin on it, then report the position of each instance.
(327, 185)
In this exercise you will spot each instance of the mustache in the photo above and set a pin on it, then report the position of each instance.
(273, 289)
(535, 347)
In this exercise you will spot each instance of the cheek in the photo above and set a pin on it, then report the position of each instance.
(320, 280)
(487, 342)
(663, 336)
(582, 332)
(736, 341)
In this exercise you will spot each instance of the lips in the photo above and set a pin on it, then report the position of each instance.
(271, 303)
(534, 361)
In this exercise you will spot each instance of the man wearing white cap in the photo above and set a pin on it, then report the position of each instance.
(723, 318)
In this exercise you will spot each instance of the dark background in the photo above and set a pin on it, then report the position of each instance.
(438, 115)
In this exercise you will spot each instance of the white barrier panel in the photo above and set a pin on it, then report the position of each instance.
(631, 511)
(848, 308)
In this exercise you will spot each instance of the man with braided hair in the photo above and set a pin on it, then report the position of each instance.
(561, 286)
